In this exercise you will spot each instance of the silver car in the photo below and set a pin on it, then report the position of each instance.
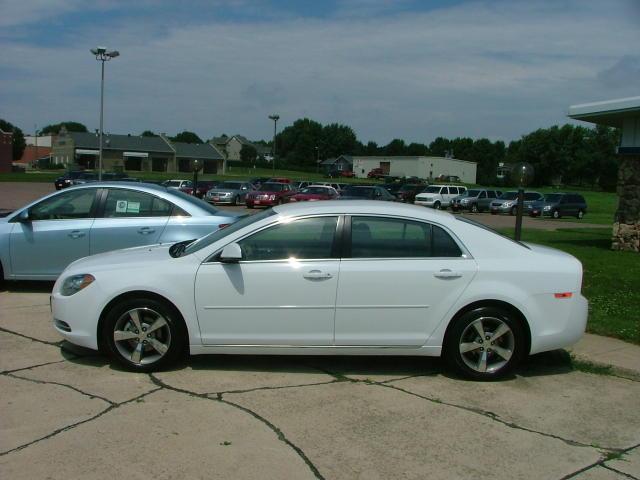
(230, 192)
(508, 202)
(38, 241)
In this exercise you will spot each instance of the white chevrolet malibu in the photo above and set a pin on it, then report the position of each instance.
(328, 278)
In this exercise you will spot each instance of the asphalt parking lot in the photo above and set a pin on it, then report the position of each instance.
(67, 413)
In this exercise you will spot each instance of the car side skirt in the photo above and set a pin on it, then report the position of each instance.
(393, 350)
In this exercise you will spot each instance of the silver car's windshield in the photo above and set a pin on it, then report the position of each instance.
(508, 196)
(218, 234)
(231, 185)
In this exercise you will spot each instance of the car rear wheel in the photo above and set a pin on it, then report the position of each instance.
(580, 215)
(555, 214)
(484, 344)
(143, 334)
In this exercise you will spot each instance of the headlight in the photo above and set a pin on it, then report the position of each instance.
(507, 204)
(546, 208)
(272, 197)
(463, 201)
(76, 283)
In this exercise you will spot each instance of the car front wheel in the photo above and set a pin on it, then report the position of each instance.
(474, 208)
(484, 344)
(580, 214)
(436, 205)
(555, 214)
(143, 334)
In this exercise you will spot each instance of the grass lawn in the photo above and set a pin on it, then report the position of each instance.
(611, 279)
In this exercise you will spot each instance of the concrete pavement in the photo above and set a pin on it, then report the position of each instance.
(67, 413)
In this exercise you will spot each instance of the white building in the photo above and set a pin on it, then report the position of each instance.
(422, 167)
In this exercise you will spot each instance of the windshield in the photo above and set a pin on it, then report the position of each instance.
(431, 190)
(231, 185)
(471, 193)
(271, 187)
(172, 183)
(315, 190)
(234, 227)
(364, 192)
(196, 201)
(508, 196)
(552, 198)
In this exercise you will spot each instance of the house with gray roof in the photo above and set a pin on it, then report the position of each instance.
(133, 153)
(231, 146)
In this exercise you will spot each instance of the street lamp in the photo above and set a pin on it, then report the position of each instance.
(317, 159)
(102, 55)
(275, 119)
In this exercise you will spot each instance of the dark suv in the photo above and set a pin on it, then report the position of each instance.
(557, 205)
(75, 177)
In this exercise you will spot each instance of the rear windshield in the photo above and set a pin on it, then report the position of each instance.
(234, 227)
(484, 227)
(196, 201)
(172, 183)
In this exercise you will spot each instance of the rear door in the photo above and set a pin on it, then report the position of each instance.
(129, 218)
(398, 279)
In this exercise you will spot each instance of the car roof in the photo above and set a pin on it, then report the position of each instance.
(364, 207)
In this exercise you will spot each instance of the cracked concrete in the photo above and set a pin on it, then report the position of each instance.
(67, 413)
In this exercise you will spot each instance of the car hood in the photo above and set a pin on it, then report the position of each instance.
(119, 258)
(266, 192)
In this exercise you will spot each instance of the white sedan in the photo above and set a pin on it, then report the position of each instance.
(328, 278)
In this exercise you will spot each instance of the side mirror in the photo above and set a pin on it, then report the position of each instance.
(232, 253)
(23, 216)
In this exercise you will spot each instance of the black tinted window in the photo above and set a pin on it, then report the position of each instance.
(301, 239)
(68, 205)
(375, 237)
(443, 244)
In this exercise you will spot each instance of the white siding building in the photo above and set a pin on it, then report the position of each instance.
(422, 167)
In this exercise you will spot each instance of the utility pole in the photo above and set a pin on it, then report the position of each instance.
(275, 119)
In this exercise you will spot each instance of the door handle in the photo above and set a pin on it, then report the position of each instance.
(446, 273)
(317, 275)
(76, 234)
(146, 231)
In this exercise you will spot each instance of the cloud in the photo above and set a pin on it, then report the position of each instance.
(623, 73)
(495, 69)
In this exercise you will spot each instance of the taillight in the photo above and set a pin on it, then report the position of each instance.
(563, 295)
(223, 225)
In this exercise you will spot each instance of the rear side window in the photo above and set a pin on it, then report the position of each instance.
(377, 237)
(129, 203)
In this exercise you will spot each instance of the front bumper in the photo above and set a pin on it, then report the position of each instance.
(261, 203)
(500, 209)
(80, 312)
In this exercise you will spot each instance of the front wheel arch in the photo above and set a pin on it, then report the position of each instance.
(496, 304)
(138, 294)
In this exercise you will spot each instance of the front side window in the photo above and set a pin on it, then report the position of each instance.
(129, 203)
(65, 206)
(377, 237)
(305, 238)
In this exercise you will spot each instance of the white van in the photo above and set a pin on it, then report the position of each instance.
(439, 196)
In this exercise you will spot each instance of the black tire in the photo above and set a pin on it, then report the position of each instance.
(462, 331)
(474, 208)
(580, 215)
(437, 205)
(555, 214)
(235, 201)
(514, 210)
(172, 335)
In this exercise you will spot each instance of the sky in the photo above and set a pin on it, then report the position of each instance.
(389, 69)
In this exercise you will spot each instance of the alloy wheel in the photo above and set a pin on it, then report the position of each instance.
(486, 345)
(142, 336)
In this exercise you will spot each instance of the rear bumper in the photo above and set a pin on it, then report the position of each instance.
(560, 322)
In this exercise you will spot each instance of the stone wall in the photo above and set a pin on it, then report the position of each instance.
(626, 228)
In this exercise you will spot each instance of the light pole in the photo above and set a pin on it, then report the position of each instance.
(317, 159)
(275, 119)
(102, 55)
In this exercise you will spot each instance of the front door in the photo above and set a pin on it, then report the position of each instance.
(399, 282)
(283, 292)
(56, 234)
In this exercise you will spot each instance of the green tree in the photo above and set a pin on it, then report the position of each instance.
(370, 149)
(338, 140)
(148, 133)
(395, 147)
(417, 149)
(248, 154)
(187, 137)
(18, 143)
(295, 145)
(54, 128)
